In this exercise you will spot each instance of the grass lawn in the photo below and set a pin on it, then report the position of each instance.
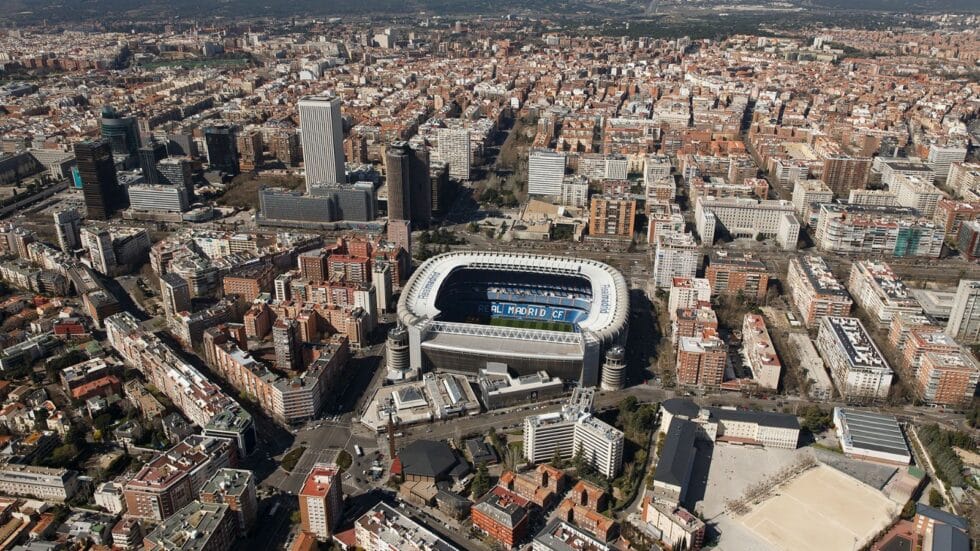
(291, 458)
(541, 325)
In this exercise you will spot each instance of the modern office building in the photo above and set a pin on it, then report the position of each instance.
(222, 148)
(454, 149)
(880, 292)
(322, 134)
(100, 187)
(545, 172)
(815, 291)
(398, 175)
(964, 319)
(177, 171)
(122, 133)
(420, 182)
(572, 429)
(731, 273)
(601, 445)
(746, 217)
(551, 433)
(321, 501)
(858, 368)
(175, 294)
(68, 225)
(149, 155)
(157, 198)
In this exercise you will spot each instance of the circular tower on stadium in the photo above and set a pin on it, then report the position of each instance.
(614, 369)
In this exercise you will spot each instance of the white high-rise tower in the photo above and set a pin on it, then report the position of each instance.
(323, 140)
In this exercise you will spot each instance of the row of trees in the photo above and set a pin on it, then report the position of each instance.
(939, 444)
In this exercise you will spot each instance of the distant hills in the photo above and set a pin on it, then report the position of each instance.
(68, 10)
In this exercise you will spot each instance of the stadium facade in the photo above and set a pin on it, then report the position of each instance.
(530, 312)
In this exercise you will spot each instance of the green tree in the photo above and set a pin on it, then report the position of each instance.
(344, 460)
(629, 404)
(557, 461)
(295, 517)
(481, 481)
(578, 460)
(472, 227)
(936, 499)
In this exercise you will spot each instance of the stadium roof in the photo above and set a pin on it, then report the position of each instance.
(605, 319)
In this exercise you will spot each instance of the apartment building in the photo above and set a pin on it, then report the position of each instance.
(675, 255)
(807, 195)
(761, 355)
(321, 501)
(687, 292)
(503, 516)
(916, 192)
(815, 291)
(45, 483)
(964, 319)
(612, 216)
(701, 360)
(889, 231)
(857, 367)
(737, 274)
(236, 489)
(174, 478)
(384, 528)
(947, 378)
(198, 526)
(880, 292)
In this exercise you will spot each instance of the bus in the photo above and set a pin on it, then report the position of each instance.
(358, 450)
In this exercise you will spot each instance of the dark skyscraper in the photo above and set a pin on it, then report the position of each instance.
(122, 134)
(149, 155)
(100, 188)
(421, 188)
(222, 150)
(398, 173)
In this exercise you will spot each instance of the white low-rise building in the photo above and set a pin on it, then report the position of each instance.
(871, 436)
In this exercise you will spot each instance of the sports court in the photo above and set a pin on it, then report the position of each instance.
(820, 509)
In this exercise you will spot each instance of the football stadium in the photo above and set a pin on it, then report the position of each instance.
(528, 311)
